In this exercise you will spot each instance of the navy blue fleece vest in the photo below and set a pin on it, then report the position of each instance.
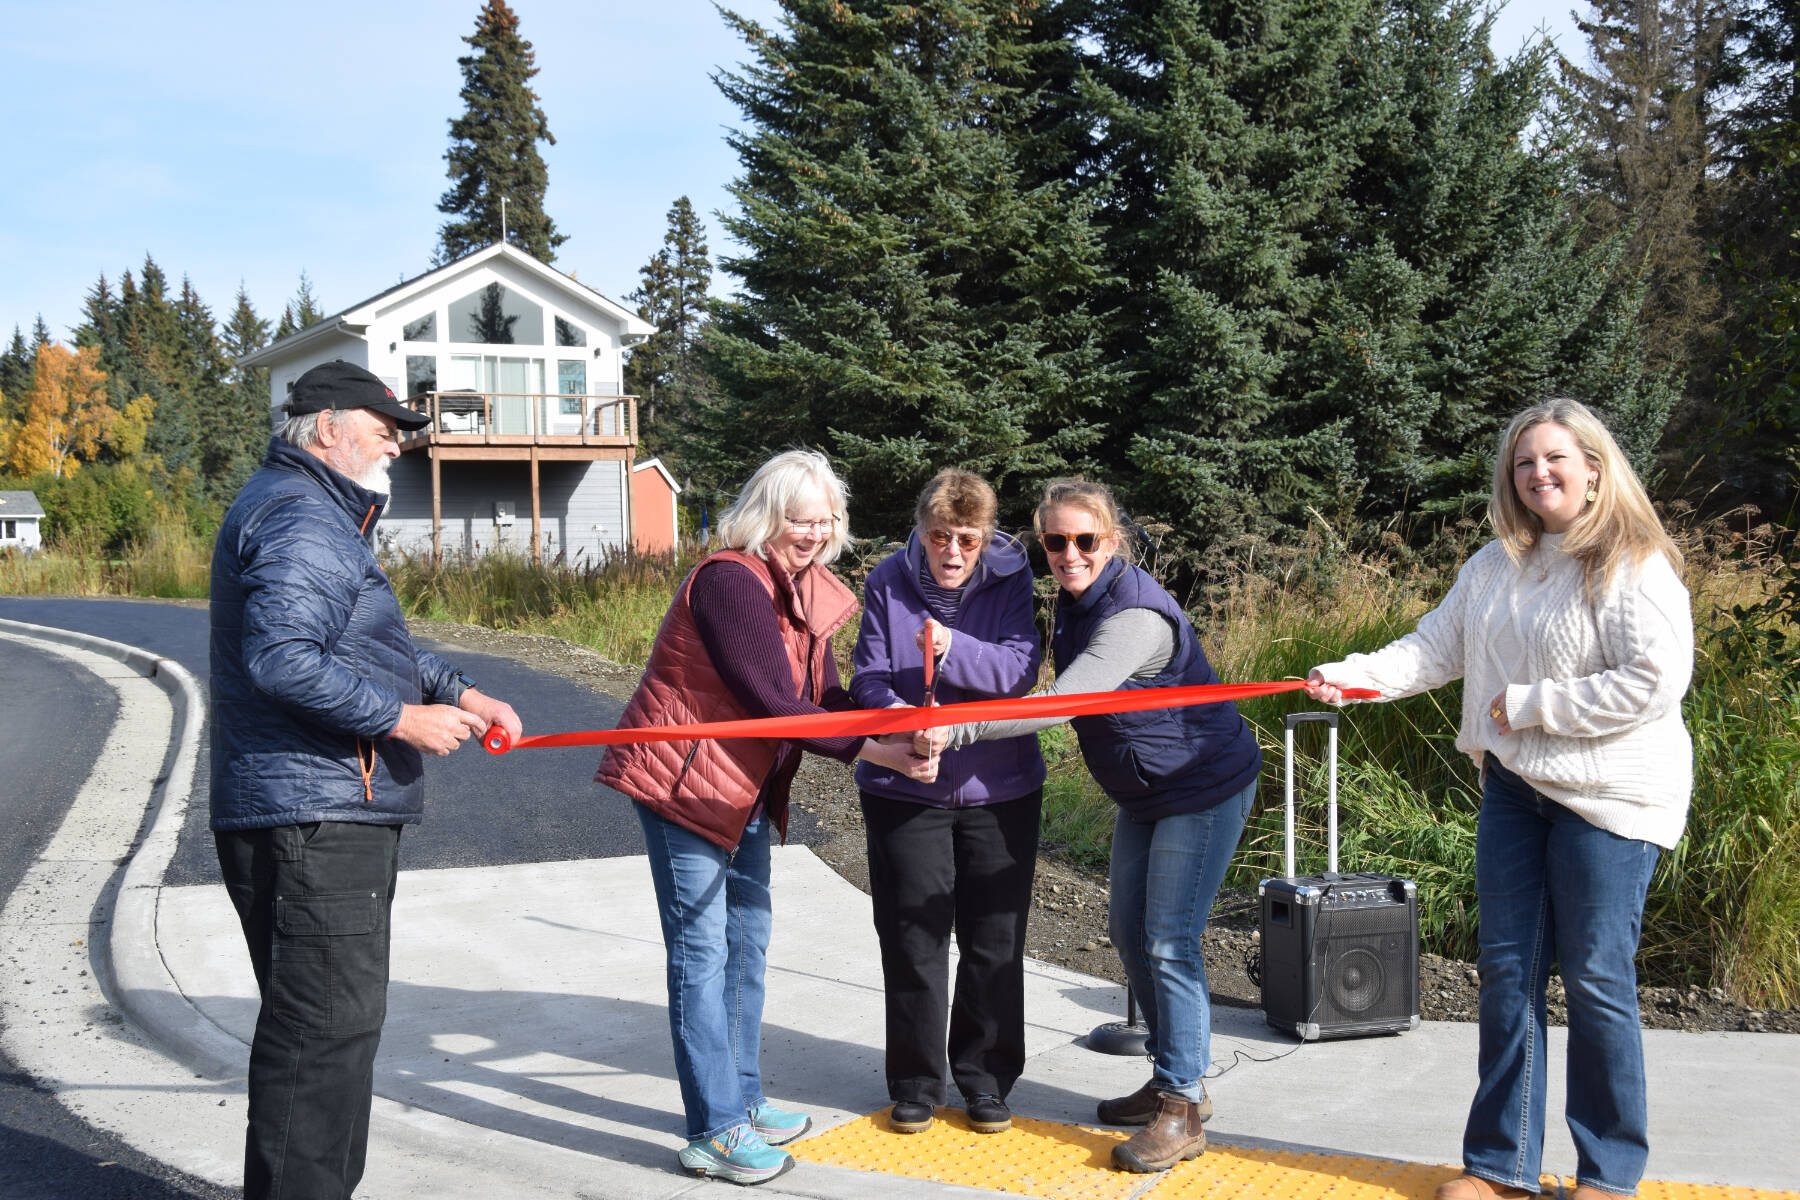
(1163, 761)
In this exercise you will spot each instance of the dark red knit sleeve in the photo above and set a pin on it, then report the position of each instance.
(737, 625)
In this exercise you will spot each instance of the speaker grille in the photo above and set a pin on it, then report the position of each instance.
(1358, 980)
(1362, 963)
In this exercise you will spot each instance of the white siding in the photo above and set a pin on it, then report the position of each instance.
(282, 376)
(580, 503)
(24, 532)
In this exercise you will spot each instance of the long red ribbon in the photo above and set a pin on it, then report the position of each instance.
(875, 721)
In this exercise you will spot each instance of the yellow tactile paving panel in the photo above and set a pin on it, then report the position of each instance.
(1073, 1162)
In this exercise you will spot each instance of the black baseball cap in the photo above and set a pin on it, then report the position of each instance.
(340, 385)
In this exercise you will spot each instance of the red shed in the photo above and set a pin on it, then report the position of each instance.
(653, 521)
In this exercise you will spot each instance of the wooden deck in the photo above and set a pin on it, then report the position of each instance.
(478, 427)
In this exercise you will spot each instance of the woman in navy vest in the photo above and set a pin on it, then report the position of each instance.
(1184, 780)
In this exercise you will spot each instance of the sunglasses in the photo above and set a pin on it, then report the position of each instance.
(940, 540)
(1056, 543)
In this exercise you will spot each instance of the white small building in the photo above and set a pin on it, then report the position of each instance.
(20, 518)
(521, 368)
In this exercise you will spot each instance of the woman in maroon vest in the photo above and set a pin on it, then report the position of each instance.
(748, 635)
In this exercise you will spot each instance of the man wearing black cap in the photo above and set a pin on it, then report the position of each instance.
(321, 710)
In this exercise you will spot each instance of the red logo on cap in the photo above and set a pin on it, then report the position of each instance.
(390, 392)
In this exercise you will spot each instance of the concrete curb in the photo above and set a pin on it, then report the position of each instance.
(130, 968)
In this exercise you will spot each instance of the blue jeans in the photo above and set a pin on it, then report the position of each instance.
(1553, 886)
(1164, 877)
(716, 918)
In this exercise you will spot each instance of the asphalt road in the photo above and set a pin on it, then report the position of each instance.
(481, 810)
(58, 715)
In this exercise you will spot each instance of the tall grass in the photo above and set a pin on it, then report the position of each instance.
(170, 560)
(613, 606)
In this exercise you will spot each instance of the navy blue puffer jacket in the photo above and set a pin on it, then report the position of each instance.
(311, 659)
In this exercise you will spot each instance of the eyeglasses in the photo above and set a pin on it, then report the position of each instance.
(1056, 543)
(940, 539)
(823, 526)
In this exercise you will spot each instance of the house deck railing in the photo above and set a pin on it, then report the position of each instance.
(498, 418)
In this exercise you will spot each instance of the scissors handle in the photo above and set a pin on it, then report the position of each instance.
(930, 662)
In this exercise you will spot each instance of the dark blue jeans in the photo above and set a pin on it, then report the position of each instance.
(314, 902)
(1554, 887)
(1165, 876)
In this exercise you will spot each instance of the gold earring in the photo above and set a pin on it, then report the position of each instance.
(1592, 495)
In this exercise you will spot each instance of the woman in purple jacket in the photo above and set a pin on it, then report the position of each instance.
(958, 852)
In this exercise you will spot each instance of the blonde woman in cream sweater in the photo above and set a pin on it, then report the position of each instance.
(1573, 636)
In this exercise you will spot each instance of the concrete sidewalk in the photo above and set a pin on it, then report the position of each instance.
(527, 1049)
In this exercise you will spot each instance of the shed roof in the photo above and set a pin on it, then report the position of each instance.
(20, 504)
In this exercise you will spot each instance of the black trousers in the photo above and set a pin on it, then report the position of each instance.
(932, 871)
(314, 902)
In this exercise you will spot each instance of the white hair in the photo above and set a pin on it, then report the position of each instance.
(301, 432)
(762, 508)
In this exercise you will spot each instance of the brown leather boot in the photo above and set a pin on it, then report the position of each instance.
(1139, 1108)
(1173, 1135)
(1473, 1187)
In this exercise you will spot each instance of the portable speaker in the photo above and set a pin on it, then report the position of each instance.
(1340, 953)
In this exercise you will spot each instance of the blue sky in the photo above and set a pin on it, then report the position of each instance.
(249, 142)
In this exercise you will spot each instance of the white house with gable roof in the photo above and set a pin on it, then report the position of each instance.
(20, 517)
(520, 367)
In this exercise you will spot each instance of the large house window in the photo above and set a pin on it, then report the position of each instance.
(571, 381)
(422, 330)
(497, 316)
(421, 374)
(10, 529)
(569, 334)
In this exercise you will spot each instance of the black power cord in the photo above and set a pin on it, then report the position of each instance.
(1254, 971)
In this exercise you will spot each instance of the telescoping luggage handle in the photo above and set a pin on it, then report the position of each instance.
(1331, 824)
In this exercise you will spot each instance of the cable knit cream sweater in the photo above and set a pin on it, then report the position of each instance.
(1593, 691)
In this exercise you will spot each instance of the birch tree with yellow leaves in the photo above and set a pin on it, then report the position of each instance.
(67, 417)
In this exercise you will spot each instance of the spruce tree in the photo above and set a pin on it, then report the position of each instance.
(247, 397)
(160, 365)
(1645, 112)
(916, 264)
(648, 368)
(1757, 429)
(15, 377)
(301, 312)
(204, 372)
(493, 151)
(1343, 263)
(665, 370)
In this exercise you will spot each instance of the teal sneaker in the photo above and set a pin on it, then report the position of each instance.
(777, 1126)
(738, 1155)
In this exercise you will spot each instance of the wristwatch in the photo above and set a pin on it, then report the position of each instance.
(465, 681)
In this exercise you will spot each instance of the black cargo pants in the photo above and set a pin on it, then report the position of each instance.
(314, 902)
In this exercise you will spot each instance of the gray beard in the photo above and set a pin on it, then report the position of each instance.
(375, 476)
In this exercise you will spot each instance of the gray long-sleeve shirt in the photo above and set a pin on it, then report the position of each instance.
(1134, 643)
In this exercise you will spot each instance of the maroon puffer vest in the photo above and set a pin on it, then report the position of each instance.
(710, 786)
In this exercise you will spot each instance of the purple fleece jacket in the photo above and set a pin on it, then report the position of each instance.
(994, 652)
